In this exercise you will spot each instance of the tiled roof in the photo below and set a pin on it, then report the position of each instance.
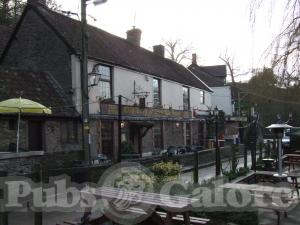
(39, 87)
(118, 51)
(213, 76)
(5, 33)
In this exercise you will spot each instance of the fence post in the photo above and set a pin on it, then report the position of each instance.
(196, 167)
(38, 214)
(3, 213)
(269, 149)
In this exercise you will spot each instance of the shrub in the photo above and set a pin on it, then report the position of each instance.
(165, 172)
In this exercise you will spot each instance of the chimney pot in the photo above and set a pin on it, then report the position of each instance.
(134, 36)
(194, 58)
(159, 50)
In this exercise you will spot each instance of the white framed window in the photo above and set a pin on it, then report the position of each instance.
(186, 98)
(105, 80)
(156, 84)
(202, 97)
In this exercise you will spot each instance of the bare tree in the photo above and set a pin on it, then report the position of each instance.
(285, 48)
(229, 62)
(52, 4)
(11, 10)
(176, 51)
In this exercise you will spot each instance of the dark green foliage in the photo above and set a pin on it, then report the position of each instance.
(223, 218)
(164, 172)
(234, 172)
(127, 150)
(265, 92)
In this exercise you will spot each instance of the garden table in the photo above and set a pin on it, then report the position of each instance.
(176, 208)
(291, 160)
(294, 175)
(273, 198)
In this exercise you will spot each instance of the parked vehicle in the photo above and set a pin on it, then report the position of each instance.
(181, 149)
(172, 150)
(194, 148)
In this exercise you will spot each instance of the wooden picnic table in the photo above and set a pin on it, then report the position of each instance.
(297, 152)
(294, 175)
(291, 160)
(176, 208)
(273, 198)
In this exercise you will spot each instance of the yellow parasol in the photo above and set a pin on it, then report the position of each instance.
(21, 105)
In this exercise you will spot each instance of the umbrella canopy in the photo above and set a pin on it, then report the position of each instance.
(19, 106)
(22, 105)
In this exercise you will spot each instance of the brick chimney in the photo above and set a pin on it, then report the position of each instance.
(37, 2)
(159, 50)
(194, 58)
(134, 36)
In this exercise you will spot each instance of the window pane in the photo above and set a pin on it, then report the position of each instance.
(105, 90)
(202, 97)
(104, 72)
(186, 98)
(156, 92)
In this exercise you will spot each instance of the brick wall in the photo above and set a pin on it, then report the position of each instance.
(148, 142)
(173, 135)
(195, 132)
(8, 136)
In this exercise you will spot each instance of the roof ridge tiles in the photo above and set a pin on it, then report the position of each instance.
(124, 54)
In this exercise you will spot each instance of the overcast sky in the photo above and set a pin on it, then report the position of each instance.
(212, 27)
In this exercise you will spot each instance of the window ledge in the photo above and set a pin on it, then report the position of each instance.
(12, 155)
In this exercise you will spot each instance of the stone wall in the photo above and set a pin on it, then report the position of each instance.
(17, 165)
(51, 137)
(53, 142)
(8, 136)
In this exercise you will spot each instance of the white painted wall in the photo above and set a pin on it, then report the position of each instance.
(76, 82)
(222, 99)
(123, 83)
(172, 95)
(195, 100)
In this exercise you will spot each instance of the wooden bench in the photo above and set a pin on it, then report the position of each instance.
(167, 209)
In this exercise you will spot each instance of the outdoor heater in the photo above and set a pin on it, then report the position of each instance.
(278, 130)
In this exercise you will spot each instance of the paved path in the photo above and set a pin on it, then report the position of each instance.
(265, 218)
(209, 172)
